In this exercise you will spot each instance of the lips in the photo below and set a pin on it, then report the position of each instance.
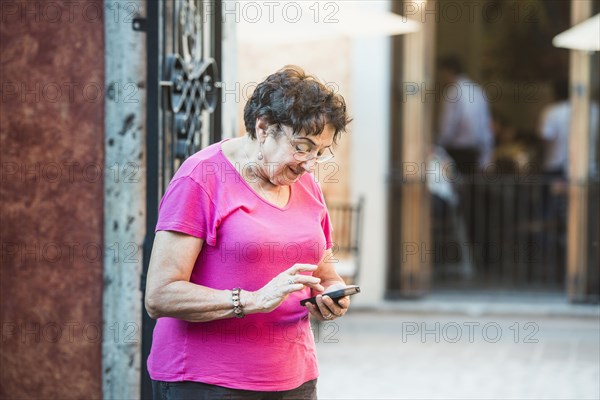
(296, 172)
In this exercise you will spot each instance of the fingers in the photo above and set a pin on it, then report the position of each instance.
(329, 309)
(299, 286)
(291, 275)
(316, 286)
(310, 281)
(294, 269)
(320, 312)
(312, 309)
(300, 282)
(323, 308)
(306, 279)
(294, 288)
(344, 302)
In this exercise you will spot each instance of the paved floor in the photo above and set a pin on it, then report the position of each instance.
(399, 355)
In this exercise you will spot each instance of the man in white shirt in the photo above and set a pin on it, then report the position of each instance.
(554, 127)
(464, 125)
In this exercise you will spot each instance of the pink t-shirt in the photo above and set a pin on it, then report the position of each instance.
(248, 241)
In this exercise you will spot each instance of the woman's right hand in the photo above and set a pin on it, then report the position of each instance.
(270, 296)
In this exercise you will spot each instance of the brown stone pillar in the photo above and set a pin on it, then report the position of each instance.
(52, 172)
(578, 244)
(418, 76)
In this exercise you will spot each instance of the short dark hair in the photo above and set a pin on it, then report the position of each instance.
(451, 63)
(293, 98)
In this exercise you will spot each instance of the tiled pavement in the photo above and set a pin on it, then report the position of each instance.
(401, 355)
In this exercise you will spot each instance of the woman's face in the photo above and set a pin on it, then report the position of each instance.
(280, 164)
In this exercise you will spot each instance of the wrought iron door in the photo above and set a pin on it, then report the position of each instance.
(184, 53)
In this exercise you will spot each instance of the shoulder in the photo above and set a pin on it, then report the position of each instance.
(204, 166)
(556, 110)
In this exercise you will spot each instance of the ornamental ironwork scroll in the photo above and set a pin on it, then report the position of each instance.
(189, 81)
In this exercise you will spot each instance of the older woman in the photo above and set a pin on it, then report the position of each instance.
(243, 235)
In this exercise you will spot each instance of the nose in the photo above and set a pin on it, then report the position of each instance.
(309, 165)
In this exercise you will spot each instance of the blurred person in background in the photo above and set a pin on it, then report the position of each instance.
(509, 155)
(554, 129)
(464, 124)
(554, 126)
(243, 235)
(515, 152)
(464, 131)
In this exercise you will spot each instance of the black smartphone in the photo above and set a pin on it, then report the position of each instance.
(335, 295)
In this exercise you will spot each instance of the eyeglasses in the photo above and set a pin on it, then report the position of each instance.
(305, 151)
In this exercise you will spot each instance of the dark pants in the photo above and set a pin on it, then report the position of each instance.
(202, 391)
(465, 159)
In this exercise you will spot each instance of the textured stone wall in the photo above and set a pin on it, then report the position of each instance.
(51, 134)
(124, 201)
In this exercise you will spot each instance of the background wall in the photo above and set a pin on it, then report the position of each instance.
(370, 156)
(51, 138)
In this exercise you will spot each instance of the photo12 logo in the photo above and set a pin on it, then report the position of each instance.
(288, 12)
(69, 171)
(242, 92)
(469, 331)
(68, 11)
(69, 92)
(490, 12)
(492, 92)
(70, 253)
(70, 332)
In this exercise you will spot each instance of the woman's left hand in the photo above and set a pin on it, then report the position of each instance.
(327, 309)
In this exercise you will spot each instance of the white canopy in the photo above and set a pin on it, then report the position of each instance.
(306, 21)
(583, 36)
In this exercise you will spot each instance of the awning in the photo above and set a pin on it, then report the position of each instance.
(583, 36)
(305, 21)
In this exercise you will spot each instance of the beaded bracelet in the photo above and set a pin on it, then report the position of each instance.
(237, 304)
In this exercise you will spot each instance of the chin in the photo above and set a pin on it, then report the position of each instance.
(290, 176)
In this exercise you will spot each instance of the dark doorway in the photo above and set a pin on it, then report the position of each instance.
(507, 230)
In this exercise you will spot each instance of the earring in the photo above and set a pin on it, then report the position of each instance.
(260, 154)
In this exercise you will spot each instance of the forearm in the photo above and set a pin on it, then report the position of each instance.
(195, 303)
(326, 271)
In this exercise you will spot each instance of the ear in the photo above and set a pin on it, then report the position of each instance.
(260, 127)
